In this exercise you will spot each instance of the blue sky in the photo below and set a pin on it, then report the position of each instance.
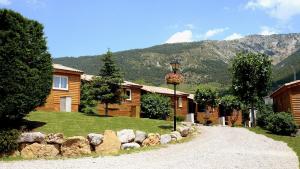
(89, 27)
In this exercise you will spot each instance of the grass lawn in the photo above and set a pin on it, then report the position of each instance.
(73, 123)
(293, 142)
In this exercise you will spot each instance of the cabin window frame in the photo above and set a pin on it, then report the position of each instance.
(130, 94)
(60, 82)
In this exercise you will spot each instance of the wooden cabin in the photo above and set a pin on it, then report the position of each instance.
(181, 99)
(65, 92)
(287, 99)
(129, 106)
(213, 115)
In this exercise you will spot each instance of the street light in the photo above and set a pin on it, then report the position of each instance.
(174, 78)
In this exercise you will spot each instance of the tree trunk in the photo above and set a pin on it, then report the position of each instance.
(106, 109)
(253, 123)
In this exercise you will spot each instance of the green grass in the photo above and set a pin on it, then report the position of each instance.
(293, 142)
(73, 123)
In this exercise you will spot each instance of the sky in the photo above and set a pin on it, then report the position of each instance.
(90, 27)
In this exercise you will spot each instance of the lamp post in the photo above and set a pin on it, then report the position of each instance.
(174, 78)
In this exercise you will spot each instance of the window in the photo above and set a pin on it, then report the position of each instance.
(179, 101)
(60, 82)
(128, 94)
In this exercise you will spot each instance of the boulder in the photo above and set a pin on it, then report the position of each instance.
(57, 138)
(31, 137)
(176, 136)
(187, 124)
(111, 143)
(37, 150)
(151, 140)
(140, 136)
(126, 135)
(75, 146)
(130, 146)
(183, 130)
(165, 139)
(95, 139)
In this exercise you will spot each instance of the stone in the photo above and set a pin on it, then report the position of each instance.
(57, 138)
(37, 150)
(126, 135)
(183, 130)
(176, 136)
(22, 146)
(187, 124)
(95, 139)
(75, 146)
(111, 143)
(152, 140)
(130, 146)
(165, 138)
(140, 136)
(31, 137)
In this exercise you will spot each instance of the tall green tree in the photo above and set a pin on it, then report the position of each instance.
(251, 78)
(25, 65)
(107, 87)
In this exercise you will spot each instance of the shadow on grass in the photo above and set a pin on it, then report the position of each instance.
(96, 115)
(166, 126)
(23, 125)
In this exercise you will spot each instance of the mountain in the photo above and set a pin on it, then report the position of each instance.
(202, 62)
(283, 72)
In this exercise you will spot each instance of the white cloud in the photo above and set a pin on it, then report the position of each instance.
(213, 32)
(279, 9)
(5, 2)
(184, 36)
(234, 36)
(190, 26)
(265, 30)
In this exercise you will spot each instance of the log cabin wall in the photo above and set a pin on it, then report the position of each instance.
(53, 100)
(128, 107)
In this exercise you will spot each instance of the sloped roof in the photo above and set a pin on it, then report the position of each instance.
(62, 67)
(162, 90)
(285, 86)
(87, 77)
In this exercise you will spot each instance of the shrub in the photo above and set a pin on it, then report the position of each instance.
(156, 106)
(180, 118)
(8, 140)
(206, 95)
(263, 113)
(281, 123)
(87, 102)
(25, 66)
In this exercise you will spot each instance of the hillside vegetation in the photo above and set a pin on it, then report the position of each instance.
(202, 62)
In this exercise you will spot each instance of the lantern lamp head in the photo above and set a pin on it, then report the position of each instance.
(175, 65)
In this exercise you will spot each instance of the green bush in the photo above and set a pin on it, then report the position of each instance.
(156, 106)
(8, 140)
(87, 103)
(206, 95)
(180, 118)
(25, 66)
(281, 123)
(263, 114)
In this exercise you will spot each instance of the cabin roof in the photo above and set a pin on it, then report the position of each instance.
(285, 86)
(162, 90)
(87, 77)
(62, 67)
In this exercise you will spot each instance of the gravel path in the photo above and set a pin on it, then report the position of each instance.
(214, 148)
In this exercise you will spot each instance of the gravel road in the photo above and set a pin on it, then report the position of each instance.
(214, 148)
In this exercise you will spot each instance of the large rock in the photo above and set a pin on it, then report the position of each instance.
(31, 137)
(126, 135)
(183, 130)
(151, 140)
(37, 150)
(75, 146)
(57, 138)
(130, 146)
(176, 136)
(111, 143)
(165, 139)
(95, 139)
(140, 136)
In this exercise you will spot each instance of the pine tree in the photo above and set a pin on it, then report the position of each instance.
(107, 87)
